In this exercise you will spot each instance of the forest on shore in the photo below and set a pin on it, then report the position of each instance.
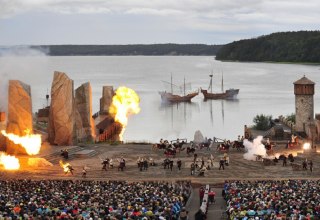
(301, 46)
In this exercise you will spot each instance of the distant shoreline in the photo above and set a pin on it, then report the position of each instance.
(116, 50)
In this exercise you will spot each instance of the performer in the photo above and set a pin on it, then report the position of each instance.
(69, 170)
(179, 163)
(104, 163)
(111, 163)
(84, 172)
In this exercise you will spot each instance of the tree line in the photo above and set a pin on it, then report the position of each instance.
(126, 50)
(301, 46)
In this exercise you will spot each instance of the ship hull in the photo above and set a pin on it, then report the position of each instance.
(169, 97)
(228, 94)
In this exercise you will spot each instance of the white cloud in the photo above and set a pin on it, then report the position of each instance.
(243, 17)
(151, 11)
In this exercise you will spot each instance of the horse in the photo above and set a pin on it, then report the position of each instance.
(179, 144)
(162, 145)
(238, 145)
(224, 147)
(190, 150)
(170, 152)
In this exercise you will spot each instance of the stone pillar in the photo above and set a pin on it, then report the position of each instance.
(84, 121)
(2, 127)
(19, 113)
(106, 100)
(61, 128)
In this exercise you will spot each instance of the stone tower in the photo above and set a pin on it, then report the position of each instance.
(304, 91)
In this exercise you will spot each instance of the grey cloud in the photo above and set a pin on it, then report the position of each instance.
(205, 16)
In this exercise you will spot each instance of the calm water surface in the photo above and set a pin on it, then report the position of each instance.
(264, 88)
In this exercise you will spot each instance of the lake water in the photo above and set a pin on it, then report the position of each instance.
(265, 88)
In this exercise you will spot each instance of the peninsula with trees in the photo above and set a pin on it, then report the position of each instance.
(297, 47)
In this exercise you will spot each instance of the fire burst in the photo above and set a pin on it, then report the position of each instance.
(64, 166)
(9, 162)
(306, 146)
(30, 142)
(124, 103)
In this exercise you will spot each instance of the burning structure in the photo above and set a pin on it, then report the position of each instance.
(107, 128)
(124, 103)
(120, 105)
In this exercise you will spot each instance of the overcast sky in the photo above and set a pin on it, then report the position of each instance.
(32, 22)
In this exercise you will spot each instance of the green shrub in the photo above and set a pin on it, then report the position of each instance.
(262, 122)
(291, 118)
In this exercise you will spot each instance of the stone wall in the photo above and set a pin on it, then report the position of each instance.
(304, 112)
(290, 124)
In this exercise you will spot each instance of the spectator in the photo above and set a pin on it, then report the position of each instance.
(273, 199)
(67, 199)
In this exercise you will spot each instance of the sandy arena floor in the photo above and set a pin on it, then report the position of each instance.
(238, 168)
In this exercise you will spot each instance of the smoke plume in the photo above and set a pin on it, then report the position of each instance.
(254, 148)
(20, 63)
(3, 92)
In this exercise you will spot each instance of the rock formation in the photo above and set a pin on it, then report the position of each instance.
(61, 128)
(106, 100)
(198, 137)
(84, 121)
(19, 113)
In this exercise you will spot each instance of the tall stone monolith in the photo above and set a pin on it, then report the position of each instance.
(84, 121)
(61, 128)
(19, 113)
(106, 99)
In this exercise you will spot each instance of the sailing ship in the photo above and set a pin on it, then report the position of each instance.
(170, 97)
(228, 94)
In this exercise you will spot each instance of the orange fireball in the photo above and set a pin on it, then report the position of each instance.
(124, 103)
(64, 166)
(30, 142)
(9, 162)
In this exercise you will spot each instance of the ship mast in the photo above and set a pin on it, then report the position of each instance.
(171, 85)
(222, 83)
(210, 86)
(184, 86)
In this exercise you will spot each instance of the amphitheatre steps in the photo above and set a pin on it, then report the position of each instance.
(74, 152)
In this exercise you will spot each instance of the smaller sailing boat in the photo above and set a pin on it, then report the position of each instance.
(228, 94)
(170, 97)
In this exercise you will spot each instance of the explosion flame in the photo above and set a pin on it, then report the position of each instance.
(30, 142)
(124, 103)
(9, 162)
(64, 166)
(306, 146)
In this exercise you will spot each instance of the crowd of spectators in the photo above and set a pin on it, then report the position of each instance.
(68, 199)
(272, 199)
